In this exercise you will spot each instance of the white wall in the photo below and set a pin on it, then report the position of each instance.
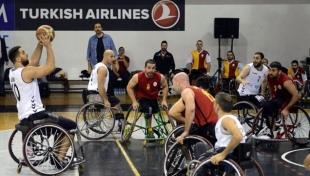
(280, 31)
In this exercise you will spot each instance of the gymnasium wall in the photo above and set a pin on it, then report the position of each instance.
(279, 29)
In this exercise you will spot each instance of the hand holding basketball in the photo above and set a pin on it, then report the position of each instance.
(45, 30)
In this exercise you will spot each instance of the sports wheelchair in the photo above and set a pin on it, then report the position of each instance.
(134, 125)
(178, 156)
(296, 127)
(42, 145)
(95, 121)
(239, 162)
(227, 85)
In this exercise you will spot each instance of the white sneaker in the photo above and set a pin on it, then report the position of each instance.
(264, 133)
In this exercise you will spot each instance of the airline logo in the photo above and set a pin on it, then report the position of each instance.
(165, 14)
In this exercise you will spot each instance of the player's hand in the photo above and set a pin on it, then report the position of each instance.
(217, 158)
(181, 137)
(243, 82)
(107, 104)
(164, 104)
(135, 105)
(44, 40)
(285, 113)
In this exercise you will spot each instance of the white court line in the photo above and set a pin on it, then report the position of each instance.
(286, 160)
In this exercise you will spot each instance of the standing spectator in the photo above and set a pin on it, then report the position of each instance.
(200, 63)
(265, 62)
(97, 44)
(3, 59)
(298, 74)
(164, 61)
(122, 73)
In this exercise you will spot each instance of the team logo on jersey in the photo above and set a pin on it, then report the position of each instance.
(279, 86)
(165, 14)
(148, 87)
(155, 84)
(233, 65)
(201, 55)
(297, 76)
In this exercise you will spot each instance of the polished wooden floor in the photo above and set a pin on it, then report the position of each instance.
(106, 157)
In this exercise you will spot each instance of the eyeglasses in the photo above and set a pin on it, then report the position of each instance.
(294, 65)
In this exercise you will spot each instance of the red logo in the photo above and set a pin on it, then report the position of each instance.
(165, 14)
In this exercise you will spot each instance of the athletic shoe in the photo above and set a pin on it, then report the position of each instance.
(150, 134)
(264, 133)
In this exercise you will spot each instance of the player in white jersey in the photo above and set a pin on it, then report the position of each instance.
(228, 131)
(23, 80)
(252, 79)
(98, 86)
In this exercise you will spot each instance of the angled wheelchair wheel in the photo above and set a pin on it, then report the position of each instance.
(15, 147)
(297, 126)
(256, 170)
(129, 124)
(246, 112)
(95, 121)
(170, 140)
(259, 124)
(226, 167)
(48, 149)
(233, 86)
(165, 122)
(179, 155)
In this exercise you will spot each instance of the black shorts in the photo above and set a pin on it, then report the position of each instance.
(65, 123)
(145, 105)
(271, 108)
(195, 74)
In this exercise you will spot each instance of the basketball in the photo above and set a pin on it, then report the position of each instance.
(45, 30)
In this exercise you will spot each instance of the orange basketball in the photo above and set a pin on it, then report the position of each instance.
(46, 30)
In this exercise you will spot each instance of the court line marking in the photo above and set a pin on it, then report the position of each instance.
(133, 168)
(291, 162)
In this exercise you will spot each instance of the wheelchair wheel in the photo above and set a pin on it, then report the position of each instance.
(95, 121)
(246, 112)
(178, 155)
(170, 140)
(259, 124)
(296, 126)
(255, 171)
(129, 125)
(233, 86)
(15, 145)
(226, 167)
(42, 147)
(166, 123)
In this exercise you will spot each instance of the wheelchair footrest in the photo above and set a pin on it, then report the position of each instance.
(78, 161)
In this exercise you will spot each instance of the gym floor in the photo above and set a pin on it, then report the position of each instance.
(109, 157)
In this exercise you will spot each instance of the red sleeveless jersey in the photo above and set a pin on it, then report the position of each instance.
(278, 88)
(204, 102)
(148, 87)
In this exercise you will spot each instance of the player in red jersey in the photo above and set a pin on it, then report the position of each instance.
(143, 91)
(283, 95)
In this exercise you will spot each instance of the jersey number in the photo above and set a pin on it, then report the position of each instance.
(16, 91)
(211, 98)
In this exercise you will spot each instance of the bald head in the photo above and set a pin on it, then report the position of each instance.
(108, 57)
(181, 77)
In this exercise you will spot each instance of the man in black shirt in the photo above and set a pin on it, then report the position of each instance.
(164, 60)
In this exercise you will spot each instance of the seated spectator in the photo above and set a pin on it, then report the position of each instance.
(122, 73)
(298, 74)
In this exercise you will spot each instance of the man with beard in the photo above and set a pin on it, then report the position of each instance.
(23, 79)
(97, 44)
(251, 79)
(283, 95)
(164, 61)
(143, 90)
(199, 63)
(298, 74)
(230, 70)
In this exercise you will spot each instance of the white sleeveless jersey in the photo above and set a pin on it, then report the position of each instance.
(27, 94)
(93, 80)
(223, 137)
(254, 79)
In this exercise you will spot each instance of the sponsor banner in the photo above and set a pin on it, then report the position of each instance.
(7, 15)
(116, 15)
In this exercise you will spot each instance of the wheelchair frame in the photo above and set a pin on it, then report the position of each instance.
(43, 149)
(161, 129)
